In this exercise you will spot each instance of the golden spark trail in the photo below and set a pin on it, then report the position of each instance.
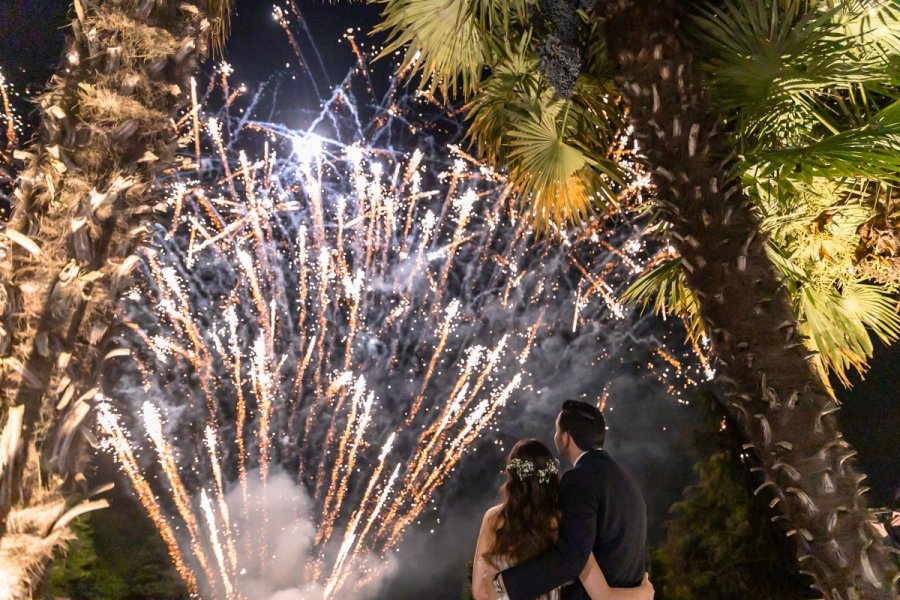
(324, 279)
(449, 315)
(195, 121)
(475, 423)
(424, 455)
(363, 504)
(206, 507)
(120, 444)
(336, 388)
(532, 334)
(370, 488)
(472, 359)
(212, 447)
(339, 575)
(359, 389)
(180, 313)
(12, 141)
(436, 435)
(153, 425)
(462, 397)
(429, 223)
(349, 458)
(262, 383)
(463, 207)
(259, 299)
(285, 25)
(215, 131)
(234, 356)
(302, 301)
(382, 499)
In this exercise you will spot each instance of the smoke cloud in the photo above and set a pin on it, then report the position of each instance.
(274, 536)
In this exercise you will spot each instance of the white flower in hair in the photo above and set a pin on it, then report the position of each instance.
(551, 469)
(523, 469)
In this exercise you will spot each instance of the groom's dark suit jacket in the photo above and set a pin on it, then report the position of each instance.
(603, 512)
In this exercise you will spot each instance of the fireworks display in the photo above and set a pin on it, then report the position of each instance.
(324, 327)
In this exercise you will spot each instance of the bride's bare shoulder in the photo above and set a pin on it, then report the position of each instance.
(492, 513)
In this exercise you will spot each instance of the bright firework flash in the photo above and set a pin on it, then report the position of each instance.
(324, 306)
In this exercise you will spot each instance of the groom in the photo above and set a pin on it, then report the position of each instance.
(603, 512)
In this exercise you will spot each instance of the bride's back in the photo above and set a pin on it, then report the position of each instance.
(525, 524)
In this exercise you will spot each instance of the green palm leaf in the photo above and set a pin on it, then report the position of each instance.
(776, 66)
(559, 179)
(665, 287)
(837, 324)
(442, 39)
(510, 93)
(868, 152)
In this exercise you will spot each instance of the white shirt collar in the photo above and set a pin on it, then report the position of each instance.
(579, 457)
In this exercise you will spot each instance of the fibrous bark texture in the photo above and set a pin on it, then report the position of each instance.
(782, 406)
(80, 205)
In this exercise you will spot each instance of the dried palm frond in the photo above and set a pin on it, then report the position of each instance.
(106, 107)
(132, 38)
(34, 533)
(220, 14)
(81, 204)
(9, 439)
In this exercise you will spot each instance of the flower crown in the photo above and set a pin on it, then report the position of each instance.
(525, 469)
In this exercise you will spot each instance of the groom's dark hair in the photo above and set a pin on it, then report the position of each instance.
(584, 422)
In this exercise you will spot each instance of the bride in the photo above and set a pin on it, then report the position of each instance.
(524, 525)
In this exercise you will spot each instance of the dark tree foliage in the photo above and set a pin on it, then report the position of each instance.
(721, 542)
(560, 63)
(559, 54)
(467, 590)
(561, 18)
(118, 554)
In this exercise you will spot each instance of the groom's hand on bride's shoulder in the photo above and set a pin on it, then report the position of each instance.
(647, 587)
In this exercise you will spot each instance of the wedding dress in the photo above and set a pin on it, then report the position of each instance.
(504, 564)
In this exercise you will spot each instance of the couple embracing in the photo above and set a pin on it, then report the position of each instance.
(582, 536)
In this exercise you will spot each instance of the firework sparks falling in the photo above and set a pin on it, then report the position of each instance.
(339, 311)
(239, 349)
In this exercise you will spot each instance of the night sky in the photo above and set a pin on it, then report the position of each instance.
(31, 33)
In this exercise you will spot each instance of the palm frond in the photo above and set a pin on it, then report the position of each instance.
(511, 92)
(875, 24)
(551, 148)
(499, 17)
(869, 152)
(442, 39)
(560, 180)
(837, 324)
(787, 70)
(665, 287)
(219, 12)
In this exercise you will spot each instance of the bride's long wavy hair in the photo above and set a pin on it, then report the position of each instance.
(529, 515)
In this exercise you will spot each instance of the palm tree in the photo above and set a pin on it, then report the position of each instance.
(80, 207)
(521, 117)
(782, 404)
(842, 282)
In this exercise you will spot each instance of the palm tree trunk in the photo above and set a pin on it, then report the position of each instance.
(782, 406)
(107, 133)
